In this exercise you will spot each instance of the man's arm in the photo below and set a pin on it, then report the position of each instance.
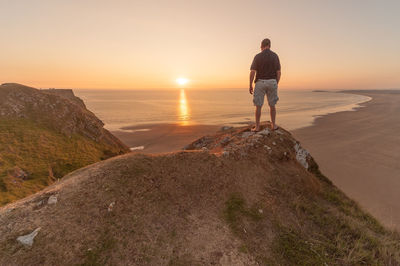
(278, 76)
(252, 74)
(278, 69)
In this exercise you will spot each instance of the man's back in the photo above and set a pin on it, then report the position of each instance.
(266, 64)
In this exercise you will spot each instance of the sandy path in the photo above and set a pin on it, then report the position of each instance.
(360, 152)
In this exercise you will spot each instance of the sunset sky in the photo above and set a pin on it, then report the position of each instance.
(337, 44)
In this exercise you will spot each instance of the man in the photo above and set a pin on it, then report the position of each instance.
(267, 70)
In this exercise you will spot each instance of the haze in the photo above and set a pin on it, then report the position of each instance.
(149, 44)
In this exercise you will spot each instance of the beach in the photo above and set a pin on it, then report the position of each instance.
(161, 138)
(360, 152)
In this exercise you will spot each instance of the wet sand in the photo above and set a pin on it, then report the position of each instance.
(360, 152)
(159, 138)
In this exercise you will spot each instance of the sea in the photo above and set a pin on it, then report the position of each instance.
(295, 109)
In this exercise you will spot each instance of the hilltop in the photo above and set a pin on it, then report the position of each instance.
(233, 198)
(45, 134)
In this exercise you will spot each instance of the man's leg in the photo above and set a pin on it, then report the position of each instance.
(272, 112)
(258, 116)
(272, 95)
(258, 100)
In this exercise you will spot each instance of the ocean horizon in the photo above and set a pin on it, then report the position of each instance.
(119, 109)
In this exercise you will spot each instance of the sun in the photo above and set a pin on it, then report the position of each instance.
(182, 81)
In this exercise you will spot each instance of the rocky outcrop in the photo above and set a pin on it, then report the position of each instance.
(66, 94)
(44, 135)
(60, 110)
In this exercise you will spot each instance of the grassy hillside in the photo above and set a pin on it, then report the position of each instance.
(44, 154)
(236, 198)
(44, 135)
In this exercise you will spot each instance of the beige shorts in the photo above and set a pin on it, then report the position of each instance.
(265, 86)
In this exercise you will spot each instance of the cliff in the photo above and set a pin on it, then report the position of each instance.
(234, 198)
(45, 134)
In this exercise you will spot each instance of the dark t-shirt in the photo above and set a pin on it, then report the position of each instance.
(266, 64)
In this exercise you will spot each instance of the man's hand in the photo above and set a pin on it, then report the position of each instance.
(252, 74)
(278, 76)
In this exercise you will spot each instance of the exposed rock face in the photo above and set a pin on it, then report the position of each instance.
(66, 94)
(301, 155)
(59, 109)
(28, 239)
(19, 173)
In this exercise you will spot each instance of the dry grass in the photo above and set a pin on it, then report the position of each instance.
(198, 208)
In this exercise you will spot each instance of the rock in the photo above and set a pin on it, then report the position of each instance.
(52, 200)
(274, 143)
(268, 147)
(111, 206)
(28, 239)
(204, 149)
(226, 128)
(19, 173)
(301, 155)
(247, 134)
(225, 140)
(137, 148)
(264, 132)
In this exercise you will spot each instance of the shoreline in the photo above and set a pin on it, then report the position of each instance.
(168, 137)
(359, 151)
(161, 138)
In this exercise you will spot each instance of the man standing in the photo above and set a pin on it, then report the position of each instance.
(267, 70)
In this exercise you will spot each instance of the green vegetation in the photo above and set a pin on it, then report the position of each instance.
(44, 154)
(297, 250)
(236, 210)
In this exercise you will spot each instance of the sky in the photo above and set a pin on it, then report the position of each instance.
(99, 44)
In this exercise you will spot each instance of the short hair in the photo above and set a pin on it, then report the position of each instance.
(265, 43)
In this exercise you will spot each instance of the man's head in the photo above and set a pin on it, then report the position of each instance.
(265, 44)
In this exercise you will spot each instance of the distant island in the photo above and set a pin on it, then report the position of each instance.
(321, 91)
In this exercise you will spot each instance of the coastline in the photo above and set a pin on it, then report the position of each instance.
(163, 137)
(160, 138)
(359, 151)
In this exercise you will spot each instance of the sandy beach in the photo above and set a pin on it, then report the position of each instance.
(160, 138)
(360, 152)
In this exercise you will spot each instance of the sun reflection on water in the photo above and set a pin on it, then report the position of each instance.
(183, 109)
